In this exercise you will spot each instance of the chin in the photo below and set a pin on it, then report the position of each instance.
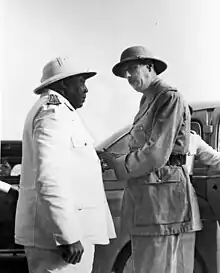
(80, 105)
(138, 89)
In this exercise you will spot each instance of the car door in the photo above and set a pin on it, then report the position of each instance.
(106, 257)
(213, 181)
(114, 188)
(206, 243)
(10, 155)
(201, 123)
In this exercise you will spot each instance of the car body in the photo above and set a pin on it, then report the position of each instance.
(116, 257)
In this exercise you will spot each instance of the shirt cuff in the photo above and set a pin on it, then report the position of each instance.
(61, 240)
(5, 187)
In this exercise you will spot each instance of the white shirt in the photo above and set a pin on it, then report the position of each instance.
(5, 187)
(204, 152)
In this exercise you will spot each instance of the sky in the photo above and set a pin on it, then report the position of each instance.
(185, 34)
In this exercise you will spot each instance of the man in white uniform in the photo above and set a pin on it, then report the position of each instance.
(62, 209)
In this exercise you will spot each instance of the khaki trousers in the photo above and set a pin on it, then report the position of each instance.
(163, 254)
(50, 261)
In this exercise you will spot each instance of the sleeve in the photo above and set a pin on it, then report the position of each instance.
(156, 152)
(53, 180)
(4, 187)
(206, 154)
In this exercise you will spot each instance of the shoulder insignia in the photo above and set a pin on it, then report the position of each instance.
(173, 89)
(53, 99)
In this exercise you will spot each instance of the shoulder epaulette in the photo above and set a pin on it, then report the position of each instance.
(171, 88)
(164, 86)
(53, 100)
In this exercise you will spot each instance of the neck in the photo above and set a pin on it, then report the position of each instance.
(152, 80)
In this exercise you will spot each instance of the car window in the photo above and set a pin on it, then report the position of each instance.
(195, 126)
(10, 167)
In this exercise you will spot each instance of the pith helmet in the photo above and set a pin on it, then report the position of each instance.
(58, 69)
(138, 53)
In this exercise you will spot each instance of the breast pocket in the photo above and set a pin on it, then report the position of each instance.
(79, 140)
(164, 202)
(138, 136)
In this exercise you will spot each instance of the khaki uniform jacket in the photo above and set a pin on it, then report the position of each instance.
(158, 199)
(62, 198)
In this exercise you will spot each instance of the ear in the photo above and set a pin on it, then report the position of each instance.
(63, 84)
(150, 67)
(60, 87)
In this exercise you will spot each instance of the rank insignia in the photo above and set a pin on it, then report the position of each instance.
(53, 99)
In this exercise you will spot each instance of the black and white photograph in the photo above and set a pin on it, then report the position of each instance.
(110, 136)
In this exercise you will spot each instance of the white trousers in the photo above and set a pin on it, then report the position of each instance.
(50, 261)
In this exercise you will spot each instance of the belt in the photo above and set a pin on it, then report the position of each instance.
(177, 160)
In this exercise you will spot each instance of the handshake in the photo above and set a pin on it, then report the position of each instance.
(108, 160)
(104, 164)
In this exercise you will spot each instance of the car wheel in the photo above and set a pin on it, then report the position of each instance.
(124, 261)
(128, 266)
(125, 265)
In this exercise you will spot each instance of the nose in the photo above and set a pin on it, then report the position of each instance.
(86, 90)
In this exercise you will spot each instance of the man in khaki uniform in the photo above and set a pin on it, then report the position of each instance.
(159, 206)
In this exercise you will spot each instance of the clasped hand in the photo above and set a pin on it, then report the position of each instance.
(108, 160)
(72, 253)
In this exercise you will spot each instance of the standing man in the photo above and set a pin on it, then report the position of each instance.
(62, 210)
(208, 156)
(204, 152)
(160, 206)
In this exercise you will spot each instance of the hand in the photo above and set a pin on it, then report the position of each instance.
(104, 165)
(108, 160)
(72, 253)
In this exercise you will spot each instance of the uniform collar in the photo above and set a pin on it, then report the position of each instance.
(152, 90)
(149, 95)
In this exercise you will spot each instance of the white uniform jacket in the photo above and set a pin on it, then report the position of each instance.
(62, 198)
(204, 152)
